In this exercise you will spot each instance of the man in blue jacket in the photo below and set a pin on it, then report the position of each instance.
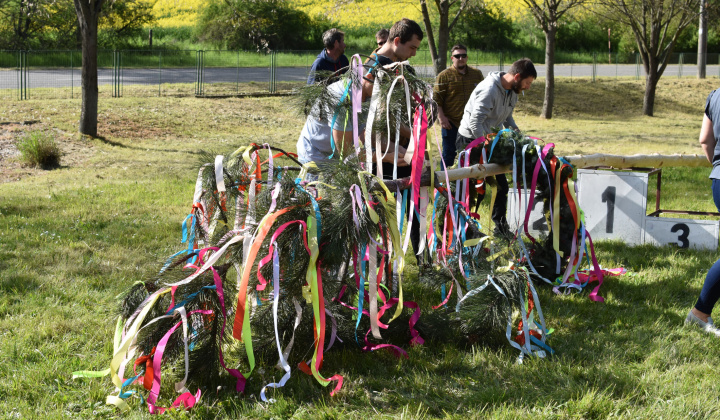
(331, 59)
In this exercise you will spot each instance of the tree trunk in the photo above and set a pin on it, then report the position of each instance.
(440, 62)
(87, 13)
(651, 81)
(702, 41)
(429, 33)
(549, 72)
(438, 50)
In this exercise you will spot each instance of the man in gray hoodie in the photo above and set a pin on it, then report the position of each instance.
(491, 106)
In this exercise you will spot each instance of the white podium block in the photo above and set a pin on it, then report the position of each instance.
(613, 203)
(685, 233)
(536, 224)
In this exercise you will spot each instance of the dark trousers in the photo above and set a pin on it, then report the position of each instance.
(449, 136)
(501, 195)
(710, 292)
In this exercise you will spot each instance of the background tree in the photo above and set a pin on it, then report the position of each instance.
(438, 43)
(260, 25)
(547, 14)
(123, 21)
(52, 24)
(656, 25)
(483, 29)
(23, 21)
(702, 41)
(88, 13)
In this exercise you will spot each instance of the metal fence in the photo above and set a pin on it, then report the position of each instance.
(56, 74)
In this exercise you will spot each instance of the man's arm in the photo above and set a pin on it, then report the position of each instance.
(510, 123)
(344, 147)
(344, 144)
(707, 138)
(313, 69)
(439, 92)
(482, 105)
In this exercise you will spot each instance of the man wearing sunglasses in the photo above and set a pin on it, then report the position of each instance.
(453, 87)
(381, 37)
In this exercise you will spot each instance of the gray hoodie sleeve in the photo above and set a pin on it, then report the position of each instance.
(482, 106)
(510, 123)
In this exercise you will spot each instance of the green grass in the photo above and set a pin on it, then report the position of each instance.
(73, 238)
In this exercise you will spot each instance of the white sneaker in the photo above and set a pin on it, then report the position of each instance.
(708, 327)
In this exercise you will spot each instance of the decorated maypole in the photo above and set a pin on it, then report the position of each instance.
(285, 262)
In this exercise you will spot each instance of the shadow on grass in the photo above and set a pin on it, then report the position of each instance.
(114, 143)
(17, 284)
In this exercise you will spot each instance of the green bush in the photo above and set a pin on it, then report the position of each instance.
(39, 149)
(260, 25)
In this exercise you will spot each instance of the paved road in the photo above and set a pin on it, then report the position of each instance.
(9, 79)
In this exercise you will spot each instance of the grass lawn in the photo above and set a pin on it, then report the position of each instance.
(73, 238)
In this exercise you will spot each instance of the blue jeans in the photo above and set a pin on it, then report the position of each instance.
(448, 145)
(710, 292)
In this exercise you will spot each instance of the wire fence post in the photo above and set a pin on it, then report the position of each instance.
(160, 73)
(22, 74)
(637, 66)
(500, 63)
(237, 75)
(594, 66)
(273, 69)
(116, 74)
(72, 76)
(681, 58)
(199, 65)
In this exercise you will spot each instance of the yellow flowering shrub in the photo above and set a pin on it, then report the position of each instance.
(178, 13)
(360, 14)
(356, 14)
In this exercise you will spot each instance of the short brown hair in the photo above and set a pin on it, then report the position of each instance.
(405, 29)
(458, 47)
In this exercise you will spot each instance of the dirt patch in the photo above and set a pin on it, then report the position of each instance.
(74, 152)
(130, 129)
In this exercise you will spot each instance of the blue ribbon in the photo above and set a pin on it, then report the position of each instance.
(189, 238)
(189, 298)
(497, 137)
(125, 395)
(541, 344)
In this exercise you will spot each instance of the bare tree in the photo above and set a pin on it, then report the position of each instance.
(656, 24)
(88, 12)
(547, 14)
(439, 47)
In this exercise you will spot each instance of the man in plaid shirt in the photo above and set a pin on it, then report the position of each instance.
(453, 87)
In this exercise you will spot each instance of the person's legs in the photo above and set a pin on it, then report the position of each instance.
(500, 208)
(710, 292)
(449, 136)
(716, 192)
